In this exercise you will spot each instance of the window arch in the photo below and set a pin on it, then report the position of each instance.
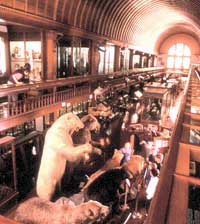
(179, 56)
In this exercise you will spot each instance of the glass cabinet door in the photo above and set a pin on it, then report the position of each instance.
(33, 56)
(17, 51)
(73, 57)
(124, 59)
(101, 59)
(81, 57)
(136, 61)
(64, 58)
(22, 52)
(152, 109)
(109, 60)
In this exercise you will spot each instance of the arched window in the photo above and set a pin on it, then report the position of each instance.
(179, 56)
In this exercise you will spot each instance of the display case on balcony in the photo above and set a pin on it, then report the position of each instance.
(8, 173)
(22, 52)
(156, 105)
(72, 57)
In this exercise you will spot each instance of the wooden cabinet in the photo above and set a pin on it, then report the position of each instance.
(157, 103)
(8, 174)
(22, 52)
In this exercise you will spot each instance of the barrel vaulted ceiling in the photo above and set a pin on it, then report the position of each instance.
(139, 22)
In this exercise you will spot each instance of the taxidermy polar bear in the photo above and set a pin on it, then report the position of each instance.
(39, 211)
(59, 149)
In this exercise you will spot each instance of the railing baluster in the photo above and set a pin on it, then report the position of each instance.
(28, 104)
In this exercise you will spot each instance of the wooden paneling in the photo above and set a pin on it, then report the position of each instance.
(58, 10)
(183, 159)
(178, 203)
(49, 9)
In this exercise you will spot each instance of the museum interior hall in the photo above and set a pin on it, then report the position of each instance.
(100, 112)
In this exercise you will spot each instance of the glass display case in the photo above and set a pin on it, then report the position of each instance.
(22, 52)
(136, 61)
(193, 208)
(72, 57)
(19, 130)
(8, 175)
(109, 58)
(124, 59)
(156, 104)
(101, 58)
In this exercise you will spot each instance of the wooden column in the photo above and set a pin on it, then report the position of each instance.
(117, 59)
(141, 61)
(7, 47)
(131, 59)
(94, 58)
(51, 62)
(153, 60)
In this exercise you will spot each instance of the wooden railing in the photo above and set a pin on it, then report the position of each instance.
(158, 211)
(17, 108)
(12, 109)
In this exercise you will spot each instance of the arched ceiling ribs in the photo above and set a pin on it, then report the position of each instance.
(26, 6)
(119, 12)
(139, 22)
(150, 21)
(41, 8)
(136, 22)
(14, 4)
(69, 10)
(60, 6)
(84, 8)
(88, 15)
(108, 26)
(95, 10)
(104, 16)
(77, 11)
(123, 21)
(36, 7)
(66, 11)
(108, 20)
(97, 16)
(55, 11)
(63, 11)
(135, 6)
(46, 7)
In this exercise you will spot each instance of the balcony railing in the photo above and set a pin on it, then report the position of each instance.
(16, 108)
(171, 199)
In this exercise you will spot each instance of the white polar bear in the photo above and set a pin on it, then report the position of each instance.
(59, 149)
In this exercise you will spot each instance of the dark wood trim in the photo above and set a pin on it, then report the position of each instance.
(17, 120)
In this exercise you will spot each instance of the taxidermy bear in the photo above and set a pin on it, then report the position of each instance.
(40, 211)
(59, 149)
